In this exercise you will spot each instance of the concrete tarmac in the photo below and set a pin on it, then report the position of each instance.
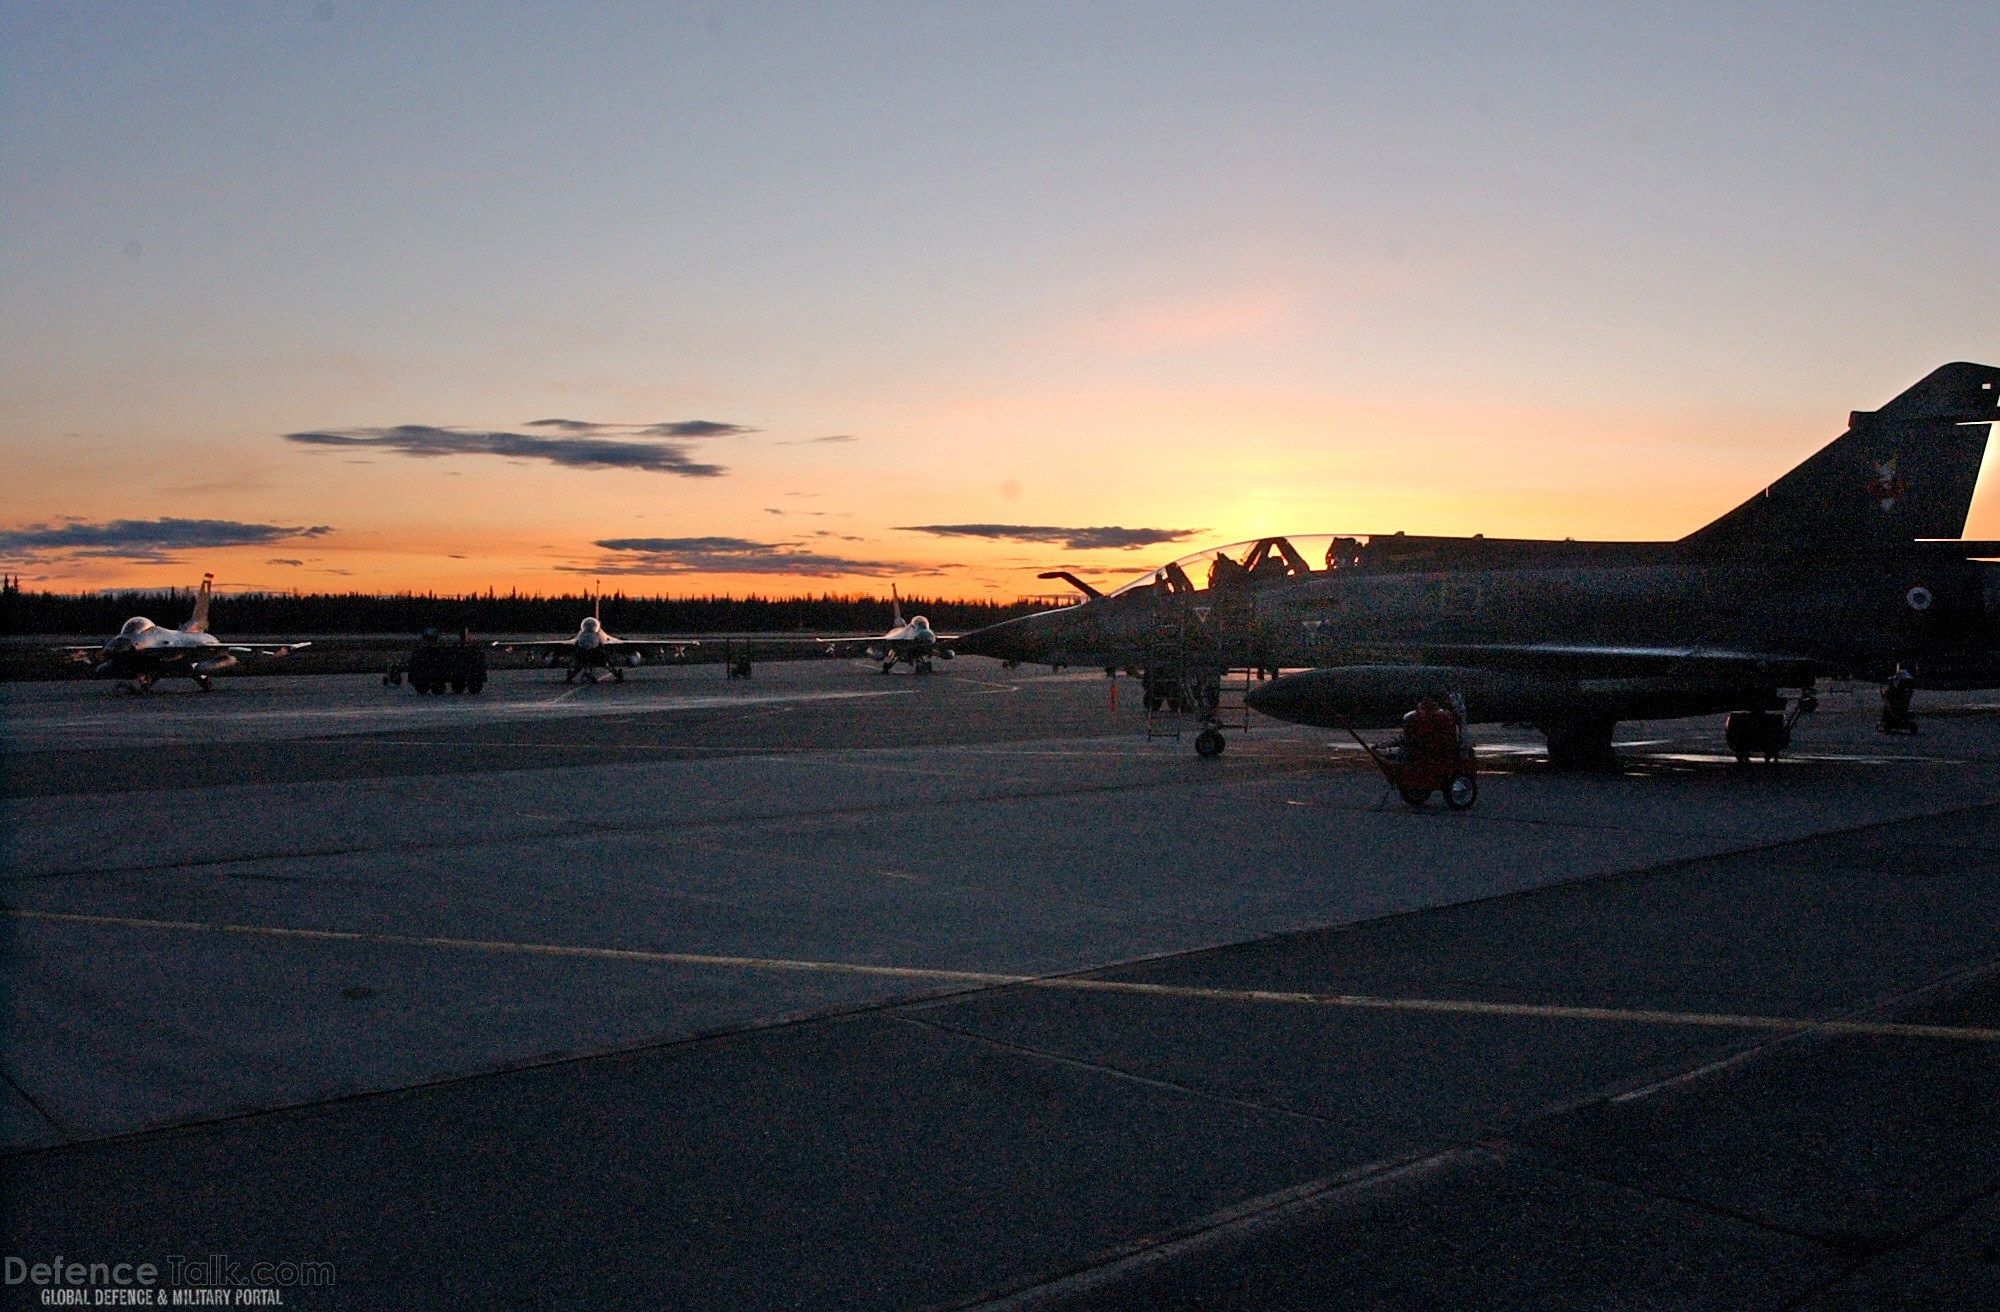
(831, 989)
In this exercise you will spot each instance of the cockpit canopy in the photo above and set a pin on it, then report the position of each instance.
(135, 626)
(920, 623)
(1256, 561)
(590, 624)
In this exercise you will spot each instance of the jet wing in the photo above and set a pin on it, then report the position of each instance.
(671, 647)
(858, 646)
(260, 648)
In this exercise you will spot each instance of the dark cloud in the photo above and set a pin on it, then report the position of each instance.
(1074, 539)
(283, 560)
(724, 555)
(569, 425)
(149, 540)
(669, 428)
(695, 428)
(425, 442)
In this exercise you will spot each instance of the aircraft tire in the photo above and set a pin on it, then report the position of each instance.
(458, 685)
(1416, 797)
(1209, 743)
(474, 685)
(1461, 791)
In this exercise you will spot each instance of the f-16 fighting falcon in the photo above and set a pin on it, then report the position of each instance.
(1847, 566)
(910, 643)
(142, 653)
(593, 650)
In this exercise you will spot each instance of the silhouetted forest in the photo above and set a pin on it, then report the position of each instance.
(484, 613)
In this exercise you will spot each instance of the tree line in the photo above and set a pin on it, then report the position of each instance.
(489, 612)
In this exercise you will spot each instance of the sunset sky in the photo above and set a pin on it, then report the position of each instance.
(797, 298)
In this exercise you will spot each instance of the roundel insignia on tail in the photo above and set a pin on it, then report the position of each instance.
(1885, 489)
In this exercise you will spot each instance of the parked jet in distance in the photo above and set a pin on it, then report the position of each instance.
(593, 650)
(143, 653)
(909, 643)
(1845, 567)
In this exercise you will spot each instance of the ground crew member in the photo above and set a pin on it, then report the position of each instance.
(1896, 694)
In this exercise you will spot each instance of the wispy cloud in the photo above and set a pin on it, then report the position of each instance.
(574, 452)
(1109, 537)
(695, 428)
(667, 428)
(726, 555)
(145, 540)
(821, 441)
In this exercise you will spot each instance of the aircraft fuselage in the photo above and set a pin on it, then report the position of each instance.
(1498, 615)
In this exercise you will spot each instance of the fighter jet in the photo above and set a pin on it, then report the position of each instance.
(142, 653)
(1845, 567)
(593, 651)
(910, 643)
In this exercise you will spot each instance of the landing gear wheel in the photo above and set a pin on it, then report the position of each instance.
(1461, 791)
(1209, 743)
(202, 682)
(617, 675)
(888, 666)
(1415, 796)
(474, 685)
(458, 685)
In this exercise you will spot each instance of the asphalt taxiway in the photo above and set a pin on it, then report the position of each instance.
(831, 989)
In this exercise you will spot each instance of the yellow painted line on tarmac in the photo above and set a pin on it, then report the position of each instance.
(1063, 983)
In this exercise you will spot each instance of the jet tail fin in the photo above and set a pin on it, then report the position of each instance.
(198, 622)
(1905, 471)
(895, 605)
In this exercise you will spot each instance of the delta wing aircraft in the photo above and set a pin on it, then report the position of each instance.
(142, 653)
(593, 650)
(1847, 566)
